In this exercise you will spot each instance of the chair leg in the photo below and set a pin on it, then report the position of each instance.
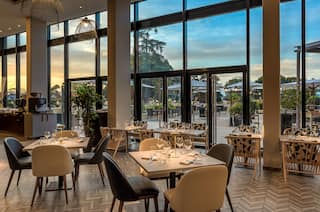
(156, 206)
(112, 204)
(229, 200)
(167, 182)
(77, 169)
(19, 175)
(218, 210)
(10, 179)
(35, 190)
(73, 182)
(166, 203)
(65, 187)
(101, 173)
(120, 206)
(40, 185)
(146, 204)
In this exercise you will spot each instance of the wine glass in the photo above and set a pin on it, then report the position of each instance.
(47, 134)
(187, 144)
(179, 142)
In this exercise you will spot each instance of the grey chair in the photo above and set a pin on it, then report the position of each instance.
(225, 153)
(129, 188)
(17, 158)
(94, 158)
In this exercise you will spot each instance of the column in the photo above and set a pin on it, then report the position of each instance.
(37, 74)
(118, 62)
(271, 83)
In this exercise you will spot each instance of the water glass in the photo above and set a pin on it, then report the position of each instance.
(187, 144)
(47, 134)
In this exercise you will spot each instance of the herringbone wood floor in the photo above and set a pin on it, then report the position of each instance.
(267, 193)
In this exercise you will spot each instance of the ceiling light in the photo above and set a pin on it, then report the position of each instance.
(0, 30)
(9, 28)
(18, 25)
(86, 25)
(80, 7)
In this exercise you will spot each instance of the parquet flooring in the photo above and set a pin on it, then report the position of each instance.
(266, 193)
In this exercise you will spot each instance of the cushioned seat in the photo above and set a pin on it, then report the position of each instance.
(25, 162)
(85, 157)
(143, 186)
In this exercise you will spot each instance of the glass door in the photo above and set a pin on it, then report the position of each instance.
(227, 109)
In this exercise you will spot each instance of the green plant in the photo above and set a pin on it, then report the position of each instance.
(84, 100)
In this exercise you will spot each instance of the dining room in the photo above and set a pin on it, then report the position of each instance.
(143, 105)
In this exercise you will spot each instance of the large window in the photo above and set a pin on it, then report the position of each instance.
(160, 48)
(11, 80)
(23, 74)
(82, 59)
(217, 41)
(57, 30)
(11, 41)
(103, 56)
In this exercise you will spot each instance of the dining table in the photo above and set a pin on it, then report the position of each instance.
(166, 161)
(72, 144)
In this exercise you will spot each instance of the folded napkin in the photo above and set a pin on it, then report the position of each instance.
(186, 162)
(149, 157)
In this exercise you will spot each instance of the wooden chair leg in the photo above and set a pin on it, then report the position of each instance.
(40, 185)
(10, 179)
(112, 204)
(35, 190)
(101, 173)
(166, 203)
(73, 182)
(19, 175)
(120, 206)
(229, 200)
(65, 187)
(156, 206)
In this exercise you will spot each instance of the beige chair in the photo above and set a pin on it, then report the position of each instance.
(200, 190)
(66, 133)
(49, 161)
(118, 139)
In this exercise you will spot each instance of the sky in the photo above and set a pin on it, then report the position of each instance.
(211, 41)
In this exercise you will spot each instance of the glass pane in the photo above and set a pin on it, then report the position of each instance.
(158, 51)
(103, 56)
(131, 13)
(227, 104)
(199, 98)
(11, 41)
(57, 81)
(132, 99)
(290, 37)
(256, 82)
(23, 39)
(75, 22)
(312, 63)
(23, 74)
(154, 8)
(105, 94)
(200, 3)
(11, 84)
(103, 19)
(57, 30)
(131, 52)
(74, 120)
(82, 59)
(217, 41)
(174, 99)
(151, 102)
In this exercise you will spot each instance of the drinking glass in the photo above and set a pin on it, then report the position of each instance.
(187, 144)
(47, 134)
(179, 142)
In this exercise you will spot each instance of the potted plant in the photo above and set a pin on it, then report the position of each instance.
(84, 101)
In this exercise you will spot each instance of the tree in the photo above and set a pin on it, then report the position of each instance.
(289, 99)
(232, 81)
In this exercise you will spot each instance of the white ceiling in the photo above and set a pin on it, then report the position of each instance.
(12, 18)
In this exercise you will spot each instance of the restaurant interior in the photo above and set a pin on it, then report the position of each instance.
(159, 105)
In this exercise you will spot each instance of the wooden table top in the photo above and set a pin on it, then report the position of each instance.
(249, 135)
(293, 138)
(190, 132)
(165, 164)
(69, 143)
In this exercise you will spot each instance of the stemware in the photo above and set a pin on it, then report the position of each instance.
(187, 144)
(47, 134)
(179, 142)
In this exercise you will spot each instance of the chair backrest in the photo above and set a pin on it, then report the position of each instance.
(199, 126)
(104, 131)
(244, 128)
(66, 133)
(145, 134)
(288, 131)
(51, 160)
(119, 184)
(225, 153)
(98, 151)
(150, 144)
(201, 189)
(14, 150)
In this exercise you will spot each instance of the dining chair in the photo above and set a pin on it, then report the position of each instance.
(92, 158)
(201, 189)
(118, 139)
(66, 133)
(144, 134)
(129, 188)
(50, 161)
(225, 153)
(203, 138)
(17, 158)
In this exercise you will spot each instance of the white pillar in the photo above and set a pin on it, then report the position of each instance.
(118, 62)
(37, 74)
(271, 83)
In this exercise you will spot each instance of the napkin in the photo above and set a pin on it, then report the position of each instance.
(186, 162)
